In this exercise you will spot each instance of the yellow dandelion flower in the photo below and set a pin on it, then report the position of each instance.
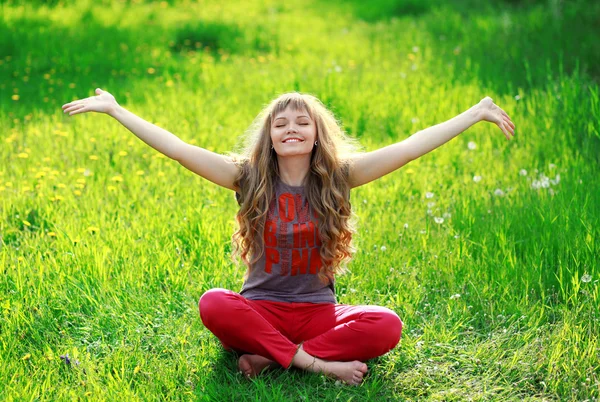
(159, 156)
(161, 174)
(21, 259)
(72, 85)
(39, 175)
(140, 172)
(117, 179)
(8, 184)
(58, 198)
(26, 189)
(169, 83)
(51, 234)
(47, 159)
(92, 139)
(79, 185)
(93, 229)
(151, 70)
(93, 157)
(80, 170)
(409, 171)
(411, 56)
(170, 194)
(111, 188)
(77, 192)
(15, 97)
(26, 223)
(61, 185)
(46, 169)
(46, 76)
(2, 188)
(26, 357)
(82, 181)
(23, 155)
(123, 153)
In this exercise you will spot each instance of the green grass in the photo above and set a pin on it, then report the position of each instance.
(104, 255)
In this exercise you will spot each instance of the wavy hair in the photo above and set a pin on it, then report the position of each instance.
(327, 187)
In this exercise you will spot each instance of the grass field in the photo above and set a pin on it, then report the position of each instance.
(487, 249)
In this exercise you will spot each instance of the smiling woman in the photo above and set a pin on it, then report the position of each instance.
(292, 180)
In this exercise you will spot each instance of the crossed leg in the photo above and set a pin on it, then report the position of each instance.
(342, 334)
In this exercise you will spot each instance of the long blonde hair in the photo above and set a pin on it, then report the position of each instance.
(327, 186)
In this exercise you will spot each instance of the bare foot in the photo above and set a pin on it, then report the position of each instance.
(349, 372)
(253, 365)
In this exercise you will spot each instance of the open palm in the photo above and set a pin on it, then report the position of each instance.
(491, 112)
(103, 102)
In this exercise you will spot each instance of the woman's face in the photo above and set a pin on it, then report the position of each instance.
(293, 133)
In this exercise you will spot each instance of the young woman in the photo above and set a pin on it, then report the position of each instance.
(292, 182)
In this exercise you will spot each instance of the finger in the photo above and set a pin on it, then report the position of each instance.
(501, 125)
(80, 110)
(511, 126)
(74, 107)
(70, 104)
(509, 122)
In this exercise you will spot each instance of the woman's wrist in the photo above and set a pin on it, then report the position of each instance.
(113, 111)
(475, 113)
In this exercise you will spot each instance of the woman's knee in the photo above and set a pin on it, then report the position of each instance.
(390, 328)
(211, 303)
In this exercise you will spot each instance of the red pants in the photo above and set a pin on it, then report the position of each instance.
(275, 330)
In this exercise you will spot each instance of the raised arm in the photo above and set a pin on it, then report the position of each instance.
(214, 167)
(378, 163)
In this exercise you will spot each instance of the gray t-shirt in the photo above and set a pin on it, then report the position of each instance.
(288, 269)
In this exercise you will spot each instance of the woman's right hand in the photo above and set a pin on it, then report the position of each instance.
(103, 102)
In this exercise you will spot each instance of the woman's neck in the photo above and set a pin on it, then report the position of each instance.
(293, 169)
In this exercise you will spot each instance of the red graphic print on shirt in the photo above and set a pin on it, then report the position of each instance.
(291, 237)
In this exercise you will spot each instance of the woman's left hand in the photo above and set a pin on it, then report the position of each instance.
(489, 111)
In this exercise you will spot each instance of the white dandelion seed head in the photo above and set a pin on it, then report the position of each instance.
(422, 231)
(455, 296)
(438, 220)
(447, 215)
(476, 179)
(472, 145)
(456, 236)
(523, 172)
(415, 49)
(414, 120)
(586, 278)
(338, 69)
(430, 204)
(517, 97)
(383, 248)
(551, 166)
(406, 226)
(364, 201)
(498, 193)
(429, 195)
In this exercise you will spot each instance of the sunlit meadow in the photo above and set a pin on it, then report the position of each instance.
(488, 249)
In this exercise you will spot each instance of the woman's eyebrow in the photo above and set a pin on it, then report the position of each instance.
(286, 117)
